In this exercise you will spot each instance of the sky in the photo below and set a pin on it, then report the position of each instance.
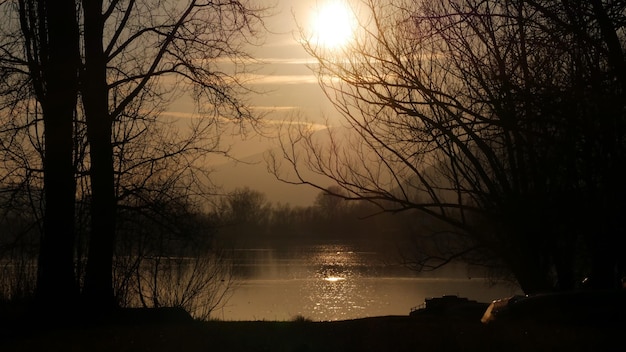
(287, 88)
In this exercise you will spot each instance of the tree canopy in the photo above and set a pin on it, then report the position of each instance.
(505, 119)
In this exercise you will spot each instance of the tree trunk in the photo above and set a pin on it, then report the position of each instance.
(98, 290)
(56, 283)
(603, 256)
(532, 278)
(525, 256)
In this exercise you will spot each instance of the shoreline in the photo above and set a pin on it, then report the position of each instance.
(427, 332)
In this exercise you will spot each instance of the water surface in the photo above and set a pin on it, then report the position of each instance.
(336, 282)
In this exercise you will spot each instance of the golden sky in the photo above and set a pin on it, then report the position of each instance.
(287, 87)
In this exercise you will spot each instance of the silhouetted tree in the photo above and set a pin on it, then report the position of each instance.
(19, 235)
(503, 119)
(166, 255)
(129, 48)
(137, 57)
(331, 203)
(245, 209)
(51, 56)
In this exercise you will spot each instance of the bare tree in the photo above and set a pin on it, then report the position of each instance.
(331, 204)
(131, 49)
(244, 211)
(166, 255)
(21, 180)
(137, 57)
(503, 119)
(50, 42)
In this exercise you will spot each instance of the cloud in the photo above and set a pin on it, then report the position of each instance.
(180, 114)
(280, 79)
(274, 108)
(313, 126)
(289, 60)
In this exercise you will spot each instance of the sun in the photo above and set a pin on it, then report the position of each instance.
(332, 24)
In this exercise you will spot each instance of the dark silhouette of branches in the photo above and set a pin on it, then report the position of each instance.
(135, 58)
(505, 120)
(154, 53)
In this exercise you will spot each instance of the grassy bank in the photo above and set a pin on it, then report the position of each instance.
(397, 333)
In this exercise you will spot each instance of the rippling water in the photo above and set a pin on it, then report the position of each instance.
(335, 282)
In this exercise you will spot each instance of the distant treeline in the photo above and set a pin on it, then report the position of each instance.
(174, 227)
(151, 232)
(246, 216)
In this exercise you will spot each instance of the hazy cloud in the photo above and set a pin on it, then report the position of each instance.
(281, 79)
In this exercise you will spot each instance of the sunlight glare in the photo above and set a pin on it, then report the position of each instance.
(333, 24)
(334, 278)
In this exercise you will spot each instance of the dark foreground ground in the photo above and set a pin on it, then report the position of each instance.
(394, 333)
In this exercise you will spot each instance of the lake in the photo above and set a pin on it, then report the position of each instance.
(339, 281)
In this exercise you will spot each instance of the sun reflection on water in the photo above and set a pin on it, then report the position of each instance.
(335, 282)
(337, 292)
